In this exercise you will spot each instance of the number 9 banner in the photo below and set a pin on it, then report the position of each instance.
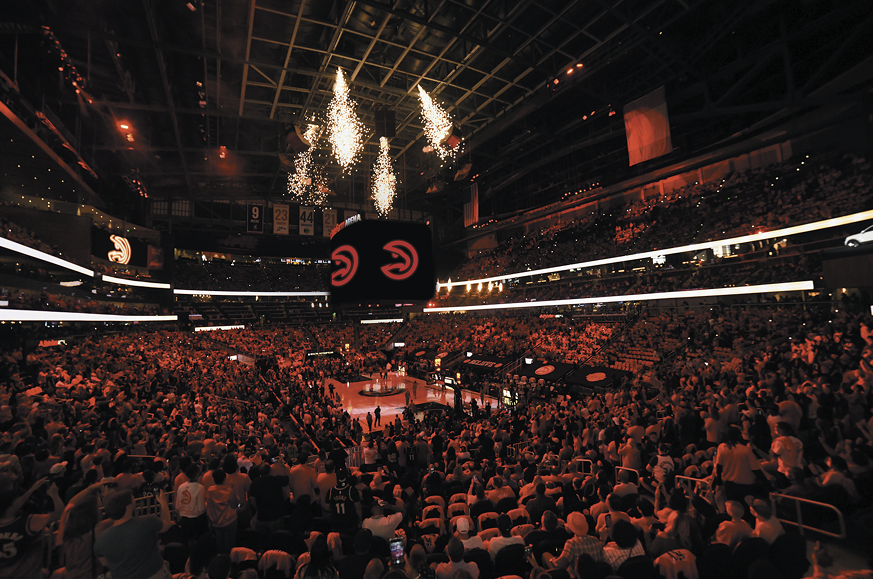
(382, 260)
(255, 218)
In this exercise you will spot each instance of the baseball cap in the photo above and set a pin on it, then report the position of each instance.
(464, 525)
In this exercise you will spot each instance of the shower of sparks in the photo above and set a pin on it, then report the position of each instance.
(344, 129)
(384, 180)
(308, 184)
(437, 124)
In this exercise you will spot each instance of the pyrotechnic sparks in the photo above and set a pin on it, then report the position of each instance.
(384, 180)
(307, 183)
(437, 124)
(344, 129)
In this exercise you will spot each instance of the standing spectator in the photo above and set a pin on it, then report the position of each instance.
(737, 466)
(191, 506)
(303, 480)
(345, 504)
(130, 546)
(221, 510)
(19, 532)
(266, 497)
(378, 415)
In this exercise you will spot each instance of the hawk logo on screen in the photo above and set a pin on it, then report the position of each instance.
(121, 253)
(346, 257)
(408, 263)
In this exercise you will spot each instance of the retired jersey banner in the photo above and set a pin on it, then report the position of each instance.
(328, 221)
(280, 219)
(307, 220)
(255, 218)
(647, 127)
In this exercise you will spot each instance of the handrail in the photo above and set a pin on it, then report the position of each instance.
(799, 522)
(697, 481)
(632, 470)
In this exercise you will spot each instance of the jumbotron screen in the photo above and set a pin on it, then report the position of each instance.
(381, 260)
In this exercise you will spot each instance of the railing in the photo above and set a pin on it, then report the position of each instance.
(798, 501)
(633, 471)
(696, 481)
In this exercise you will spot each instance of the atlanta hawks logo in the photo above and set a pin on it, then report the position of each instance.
(346, 257)
(121, 253)
(408, 257)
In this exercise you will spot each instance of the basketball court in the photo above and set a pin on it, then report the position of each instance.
(358, 398)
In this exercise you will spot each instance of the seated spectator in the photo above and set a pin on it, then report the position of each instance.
(624, 486)
(581, 544)
(540, 503)
(733, 531)
(767, 526)
(625, 544)
(548, 531)
(607, 520)
(455, 551)
(504, 526)
(678, 534)
(382, 525)
(465, 534)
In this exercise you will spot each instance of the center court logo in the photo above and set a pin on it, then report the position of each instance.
(543, 370)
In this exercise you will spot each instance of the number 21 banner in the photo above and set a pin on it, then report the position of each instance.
(307, 221)
(280, 219)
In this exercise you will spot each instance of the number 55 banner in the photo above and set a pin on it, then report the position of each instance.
(280, 219)
(307, 221)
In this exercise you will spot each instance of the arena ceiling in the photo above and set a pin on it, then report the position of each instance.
(192, 77)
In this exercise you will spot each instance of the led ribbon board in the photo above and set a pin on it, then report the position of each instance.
(36, 254)
(47, 316)
(206, 292)
(381, 260)
(707, 293)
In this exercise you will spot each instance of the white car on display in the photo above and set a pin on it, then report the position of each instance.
(865, 236)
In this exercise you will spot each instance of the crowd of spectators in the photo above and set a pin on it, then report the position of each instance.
(250, 276)
(789, 266)
(23, 299)
(799, 190)
(752, 400)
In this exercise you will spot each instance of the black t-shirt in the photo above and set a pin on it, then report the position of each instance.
(353, 566)
(267, 492)
(338, 456)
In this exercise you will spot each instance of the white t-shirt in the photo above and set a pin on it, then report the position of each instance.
(789, 451)
(191, 499)
(383, 526)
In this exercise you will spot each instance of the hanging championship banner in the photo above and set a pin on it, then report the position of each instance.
(328, 221)
(307, 220)
(255, 218)
(280, 219)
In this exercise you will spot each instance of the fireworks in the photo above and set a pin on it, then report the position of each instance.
(384, 180)
(344, 129)
(308, 183)
(437, 124)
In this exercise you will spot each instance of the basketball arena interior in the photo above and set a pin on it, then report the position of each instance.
(453, 289)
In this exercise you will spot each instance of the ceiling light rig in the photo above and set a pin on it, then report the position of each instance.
(437, 126)
(384, 180)
(344, 129)
(308, 183)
